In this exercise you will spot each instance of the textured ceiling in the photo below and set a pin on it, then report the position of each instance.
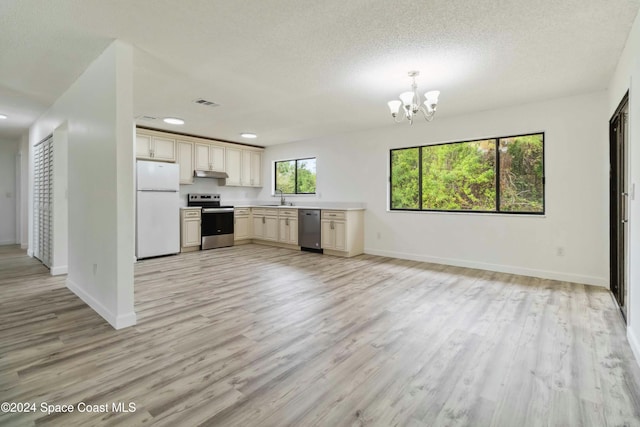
(291, 70)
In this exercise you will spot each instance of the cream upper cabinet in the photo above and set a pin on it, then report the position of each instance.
(244, 167)
(185, 160)
(242, 163)
(234, 166)
(164, 148)
(209, 157)
(154, 147)
(342, 232)
(143, 146)
(251, 168)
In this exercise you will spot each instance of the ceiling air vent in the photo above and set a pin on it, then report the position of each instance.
(147, 118)
(206, 103)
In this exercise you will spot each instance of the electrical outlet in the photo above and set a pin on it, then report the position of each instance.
(378, 235)
(95, 269)
(560, 251)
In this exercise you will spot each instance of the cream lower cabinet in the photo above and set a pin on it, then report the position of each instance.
(334, 235)
(288, 226)
(189, 230)
(242, 224)
(342, 232)
(265, 224)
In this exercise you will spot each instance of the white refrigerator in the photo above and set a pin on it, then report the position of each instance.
(157, 209)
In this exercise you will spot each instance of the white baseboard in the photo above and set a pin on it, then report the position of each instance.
(58, 270)
(24, 246)
(633, 343)
(30, 253)
(521, 271)
(8, 242)
(117, 321)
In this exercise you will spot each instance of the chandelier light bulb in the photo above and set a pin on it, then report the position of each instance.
(407, 98)
(394, 106)
(432, 97)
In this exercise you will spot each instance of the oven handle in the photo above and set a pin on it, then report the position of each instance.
(216, 210)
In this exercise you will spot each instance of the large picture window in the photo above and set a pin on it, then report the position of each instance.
(489, 175)
(296, 176)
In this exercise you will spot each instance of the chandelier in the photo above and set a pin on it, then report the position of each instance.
(411, 103)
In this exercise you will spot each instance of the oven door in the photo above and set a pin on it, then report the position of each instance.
(217, 227)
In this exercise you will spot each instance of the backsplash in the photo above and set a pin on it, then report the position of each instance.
(228, 195)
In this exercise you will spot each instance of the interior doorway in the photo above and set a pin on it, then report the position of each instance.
(619, 202)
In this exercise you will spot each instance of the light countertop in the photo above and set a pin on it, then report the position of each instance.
(327, 207)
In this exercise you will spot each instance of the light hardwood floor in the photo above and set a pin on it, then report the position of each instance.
(261, 336)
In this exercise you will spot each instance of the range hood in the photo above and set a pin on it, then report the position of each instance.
(210, 174)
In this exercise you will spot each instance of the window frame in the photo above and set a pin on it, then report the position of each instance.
(295, 176)
(497, 178)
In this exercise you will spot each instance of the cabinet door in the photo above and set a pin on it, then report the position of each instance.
(256, 169)
(143, 147)
(217, 158)
(245, 169)
(283, 232)
(233, 166)
(293, 231)
(258, 227)
(340, 235)
(185, 161)
(271, 228)
(164, 149)
(202, 161)
(241, 230)
(191, 232)
(328, 234)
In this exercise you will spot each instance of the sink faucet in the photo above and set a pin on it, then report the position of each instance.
(282, 201)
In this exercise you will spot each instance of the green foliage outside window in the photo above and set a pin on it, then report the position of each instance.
(296, 176)
(462, 176)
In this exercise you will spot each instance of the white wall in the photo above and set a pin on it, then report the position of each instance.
(354, 168)
(59, 261)
(627, 77)
(8, 225)
(98, 109)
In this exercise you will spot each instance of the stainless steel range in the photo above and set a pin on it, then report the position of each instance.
(217, 221)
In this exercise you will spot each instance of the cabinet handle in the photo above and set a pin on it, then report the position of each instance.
(331, 225)
(287, 222)
(263, 221)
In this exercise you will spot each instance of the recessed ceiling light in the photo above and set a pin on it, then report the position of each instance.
(3, 117)
(173, 121)
(248, 135)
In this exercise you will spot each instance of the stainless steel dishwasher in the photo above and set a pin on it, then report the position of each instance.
(309, 229)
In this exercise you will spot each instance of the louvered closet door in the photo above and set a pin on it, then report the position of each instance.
(43, 202)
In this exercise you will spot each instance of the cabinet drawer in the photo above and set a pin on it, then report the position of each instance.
(241, 211)
(257, 211)
(334, 214)
(192, 213)
(271, 212)
(288, 213)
